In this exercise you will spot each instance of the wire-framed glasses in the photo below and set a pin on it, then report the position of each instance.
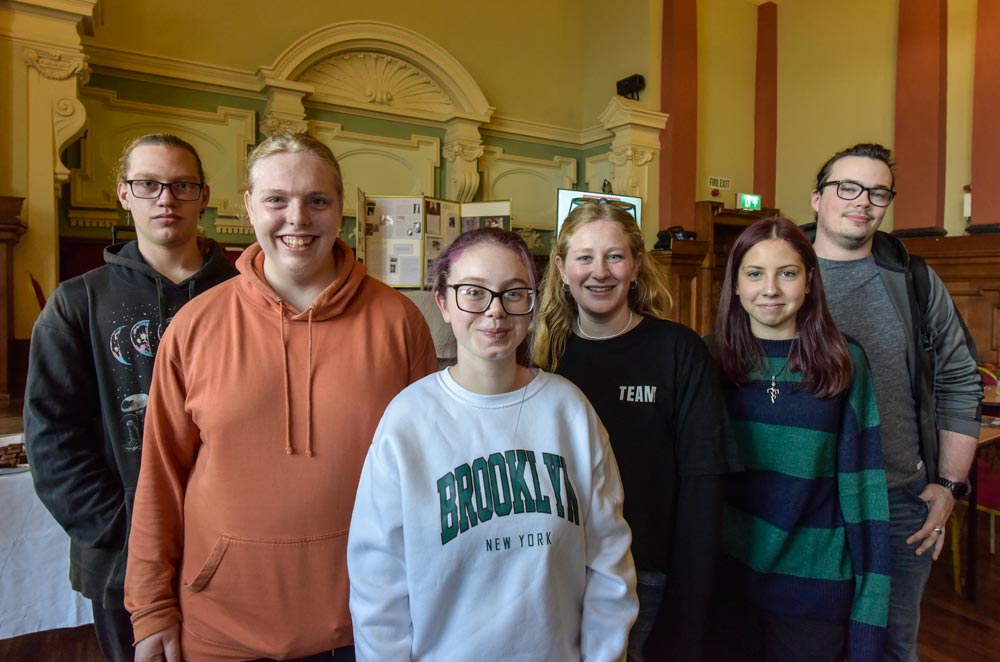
(150, 189)
(848, 190)
(477, 299)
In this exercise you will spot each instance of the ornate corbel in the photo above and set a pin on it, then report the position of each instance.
(62, 74)
(463, 146)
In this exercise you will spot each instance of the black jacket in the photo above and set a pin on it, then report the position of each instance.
(89, 370)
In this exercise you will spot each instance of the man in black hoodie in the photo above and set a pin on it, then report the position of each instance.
(91, 362)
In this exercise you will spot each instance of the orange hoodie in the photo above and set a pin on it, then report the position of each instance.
(258, 423)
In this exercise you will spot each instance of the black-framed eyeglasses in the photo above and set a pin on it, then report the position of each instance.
(848, 190)
(478, 299)
(150, 189)
(620, 204)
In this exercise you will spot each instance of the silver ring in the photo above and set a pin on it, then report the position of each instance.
(937, 530)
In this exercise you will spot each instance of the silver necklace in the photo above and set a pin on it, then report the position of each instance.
(579, 328)
(774, 391)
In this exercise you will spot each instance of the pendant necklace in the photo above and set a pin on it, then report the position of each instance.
(774, 391)
(579, 328)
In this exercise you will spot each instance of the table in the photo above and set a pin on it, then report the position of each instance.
(35, 592)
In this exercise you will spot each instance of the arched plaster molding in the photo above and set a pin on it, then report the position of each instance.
(398, 46)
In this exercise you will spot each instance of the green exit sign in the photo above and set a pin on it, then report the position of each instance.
(748, 201)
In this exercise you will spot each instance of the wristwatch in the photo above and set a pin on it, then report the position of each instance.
(958, 490)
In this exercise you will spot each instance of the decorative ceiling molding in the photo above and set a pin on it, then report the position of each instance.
(413, 70)
(509, 127)
(172, 71)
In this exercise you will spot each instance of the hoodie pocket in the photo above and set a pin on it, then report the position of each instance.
(278, 597)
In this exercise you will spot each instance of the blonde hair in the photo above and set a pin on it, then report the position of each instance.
(558, 309)
(293, 143)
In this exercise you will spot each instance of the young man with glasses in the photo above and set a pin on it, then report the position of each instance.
(91, 362)
(927, 385)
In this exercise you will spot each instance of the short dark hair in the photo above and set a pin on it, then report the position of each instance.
(868, 150)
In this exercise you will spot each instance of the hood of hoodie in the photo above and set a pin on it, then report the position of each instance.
(331, 302)
(889, 252)
(128, 264)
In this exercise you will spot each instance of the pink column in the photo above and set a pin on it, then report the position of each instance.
(679, 99)
(986, 120)
(765, 113)
(921, 97)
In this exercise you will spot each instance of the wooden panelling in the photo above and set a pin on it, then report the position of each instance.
(682, 268)
(696, 269)
(970, 268)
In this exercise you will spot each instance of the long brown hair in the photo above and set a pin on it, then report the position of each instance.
(558, 309)
(820, 354)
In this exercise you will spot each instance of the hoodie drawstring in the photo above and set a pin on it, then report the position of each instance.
(284, 372)
(161, 305)
(288, 393)
(309, 388)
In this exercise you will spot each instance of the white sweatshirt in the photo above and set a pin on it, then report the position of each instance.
(489, 527)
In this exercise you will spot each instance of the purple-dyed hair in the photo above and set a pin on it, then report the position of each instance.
(441, 270)
(821, 354)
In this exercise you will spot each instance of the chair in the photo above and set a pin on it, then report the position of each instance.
(988, 501)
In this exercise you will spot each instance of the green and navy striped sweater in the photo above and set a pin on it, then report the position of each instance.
(807, 523)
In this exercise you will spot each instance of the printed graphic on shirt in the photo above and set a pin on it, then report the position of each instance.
(133, 337)
(638, 393)
(504, 484)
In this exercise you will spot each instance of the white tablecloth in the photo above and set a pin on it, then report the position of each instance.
(35, 593)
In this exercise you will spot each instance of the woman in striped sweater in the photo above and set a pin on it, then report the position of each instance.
(805, 532)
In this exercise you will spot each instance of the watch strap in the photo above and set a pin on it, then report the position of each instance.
(958, 490)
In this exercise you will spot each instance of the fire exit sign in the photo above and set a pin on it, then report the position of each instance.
(748, 201)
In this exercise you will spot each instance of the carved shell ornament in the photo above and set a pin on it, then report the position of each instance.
(377, 79)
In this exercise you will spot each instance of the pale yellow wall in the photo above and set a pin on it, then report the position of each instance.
(961, 61)
(525, 54)
(622, 38)
(727, 43)
(836, 87)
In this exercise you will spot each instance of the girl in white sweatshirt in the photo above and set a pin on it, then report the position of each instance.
(488, 521)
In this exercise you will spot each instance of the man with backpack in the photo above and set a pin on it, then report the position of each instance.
(927, 383)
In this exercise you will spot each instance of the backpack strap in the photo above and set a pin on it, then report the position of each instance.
(921, 285)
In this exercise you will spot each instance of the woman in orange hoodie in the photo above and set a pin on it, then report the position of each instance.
(265, 396)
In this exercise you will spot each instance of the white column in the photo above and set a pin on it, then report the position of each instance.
(44, 67)
(634, 156)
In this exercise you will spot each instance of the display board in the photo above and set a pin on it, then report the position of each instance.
(403, 235)
(567, 199)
